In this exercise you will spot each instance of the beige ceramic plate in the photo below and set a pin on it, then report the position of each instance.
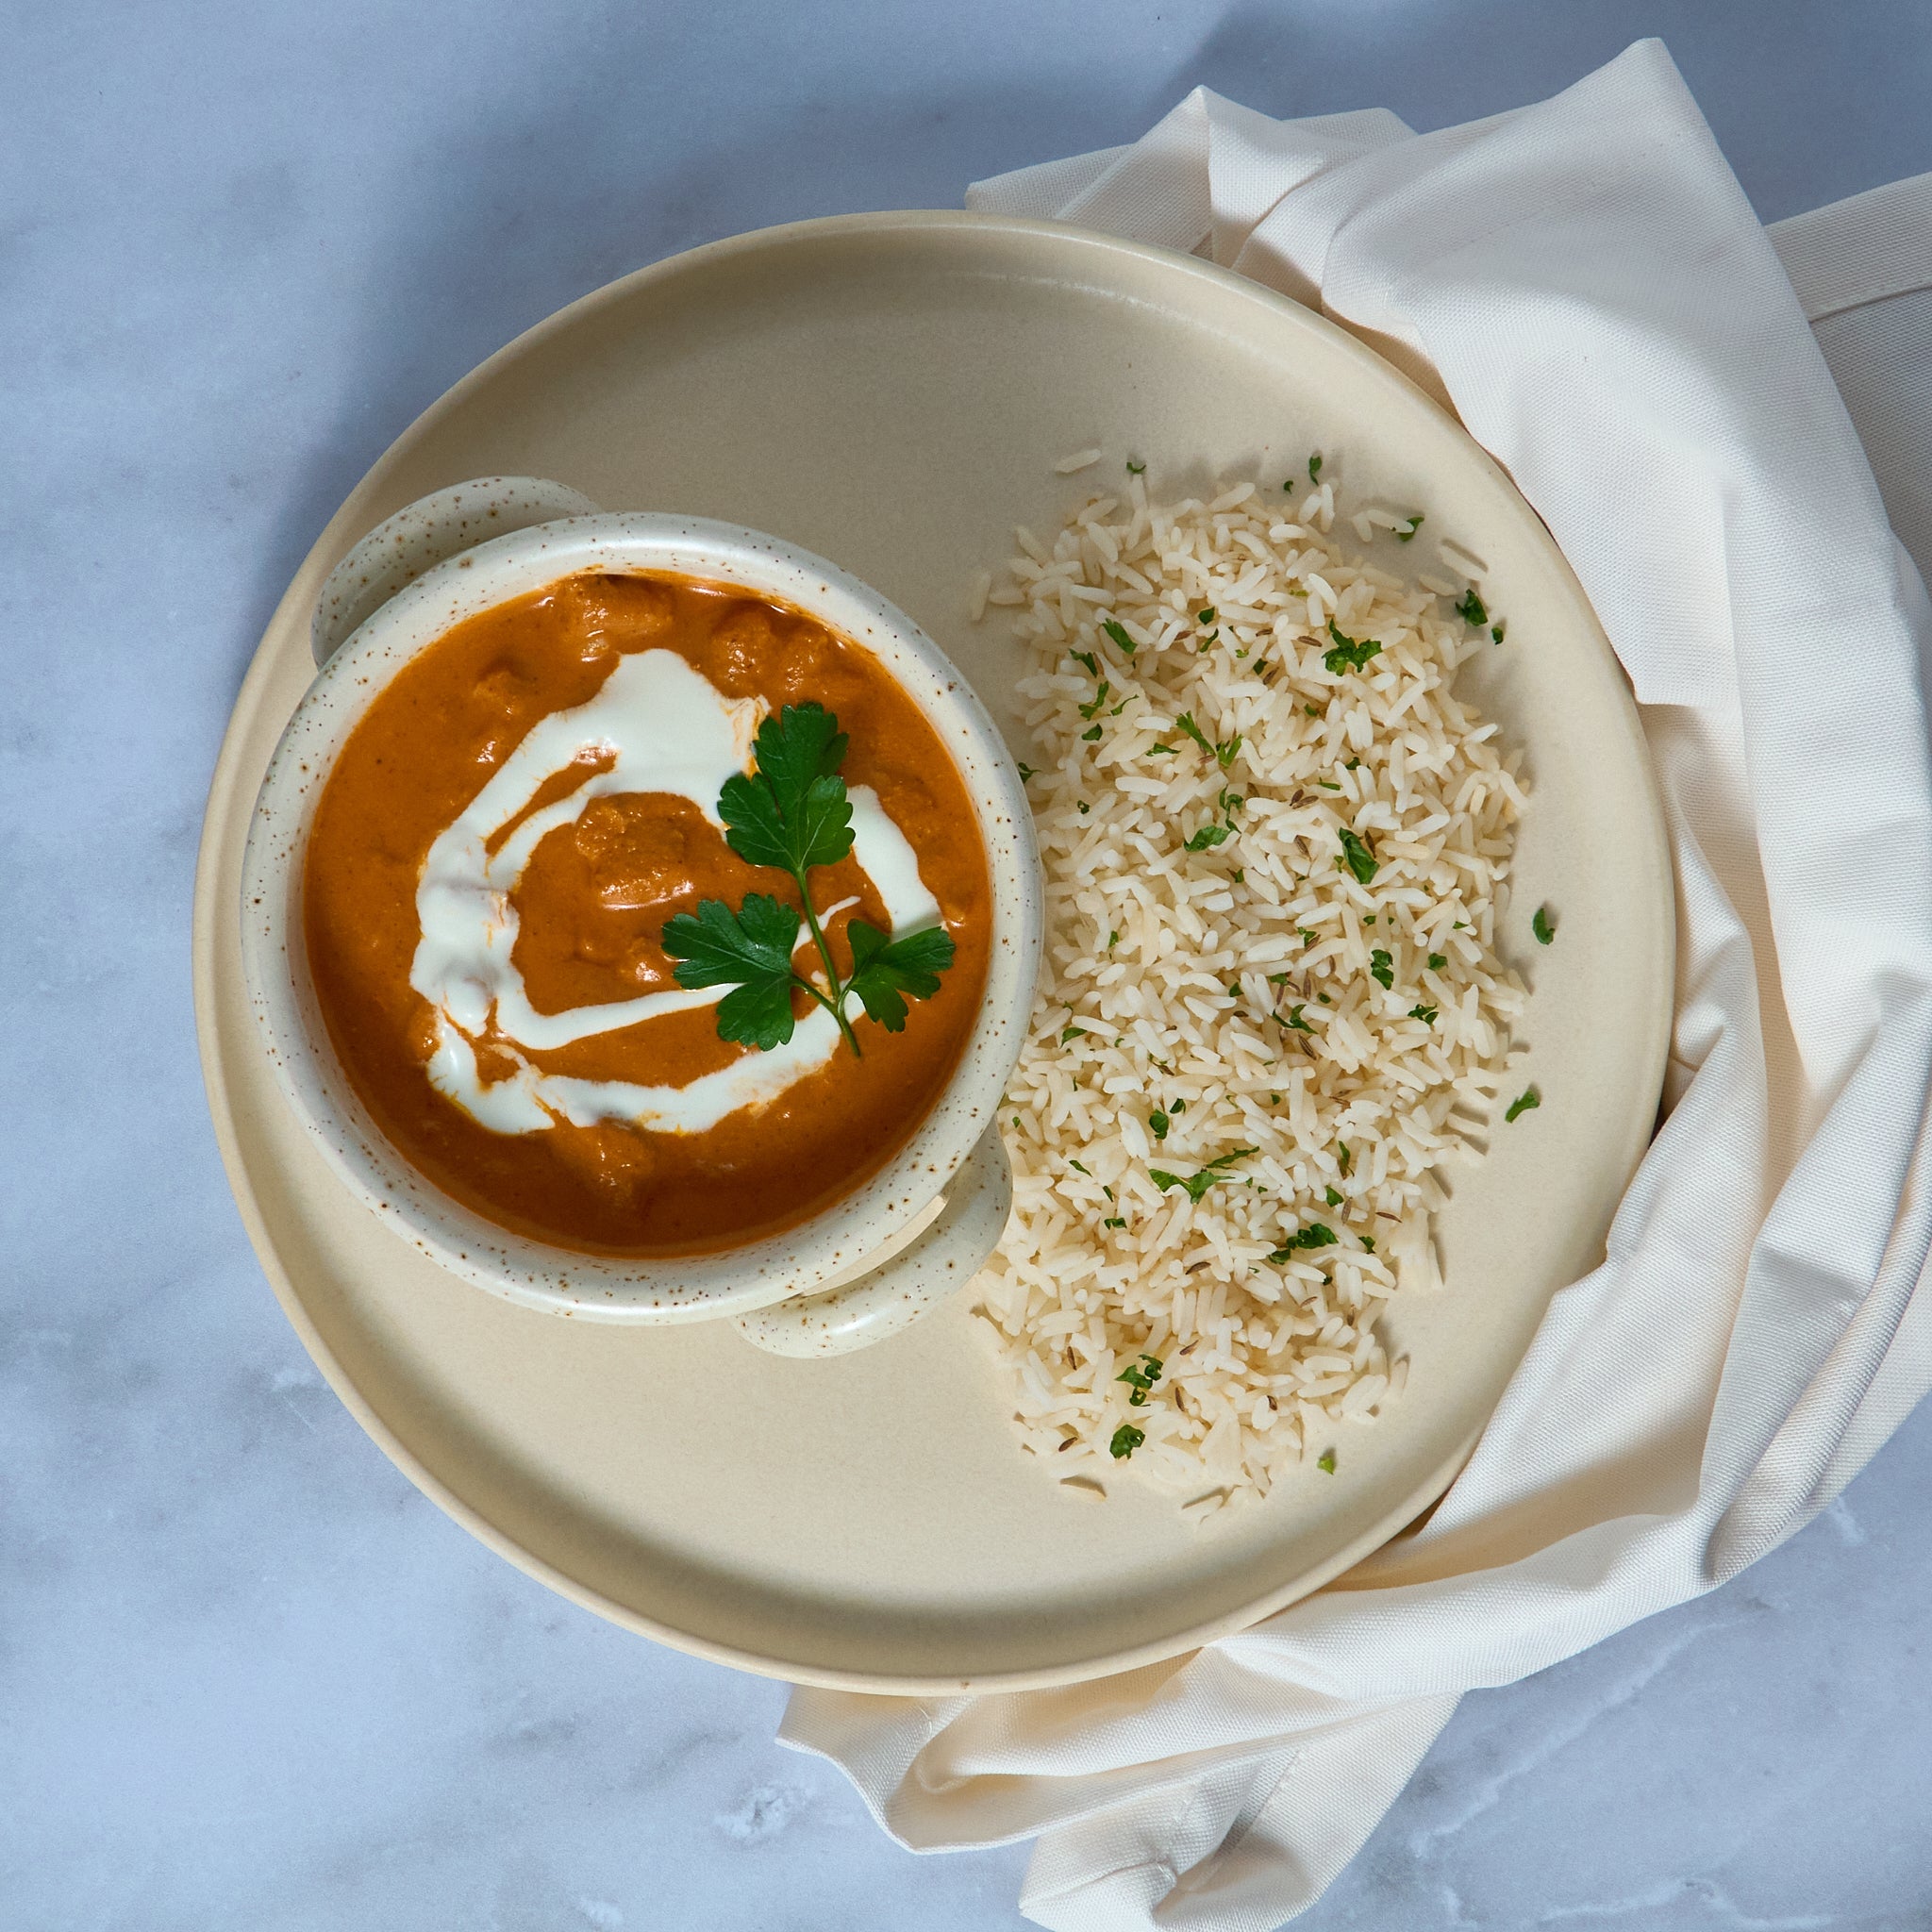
(892, 391)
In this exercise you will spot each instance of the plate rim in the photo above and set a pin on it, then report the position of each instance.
(227, 776)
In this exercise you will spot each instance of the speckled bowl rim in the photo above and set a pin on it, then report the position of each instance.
(535, 1273)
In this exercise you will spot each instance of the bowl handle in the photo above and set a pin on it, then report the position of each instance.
(430, 531)
(912, 1283)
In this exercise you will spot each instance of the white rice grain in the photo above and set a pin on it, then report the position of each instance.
(1226, 1001)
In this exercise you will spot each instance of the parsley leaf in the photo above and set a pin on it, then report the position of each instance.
(1229, 1160)
(1119, 634)
(1295, 1021)
(1196, 1185)
(1526, 1100)
(1325, 1463)
(1185, 722)
(1438, 960)
(1408, 535)
(749, 950)
(1471, 609)
(1358, 857)
(1140, 1376)
(1088, 736)
(1349, 654)
(1426, 1014)
(1207, 836)
(1224, 754)
(1329, 1195)
(1316, 1235)
(1126, 1439)
(883, 969)
(1068, 1033)
(1135, 468)
(1381, 969)
(1314, 469)
(1160, 1123)
(1541, 927)
(1205, 615)
(1026, 773)
(792, 813)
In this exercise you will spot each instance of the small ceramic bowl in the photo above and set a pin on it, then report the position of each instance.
(871, 1262)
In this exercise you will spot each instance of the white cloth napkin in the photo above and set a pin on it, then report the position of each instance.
(1585, 281)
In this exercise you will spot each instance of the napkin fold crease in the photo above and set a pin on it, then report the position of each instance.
(1584, 281)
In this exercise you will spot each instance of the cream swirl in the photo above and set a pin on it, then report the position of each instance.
(656, 725)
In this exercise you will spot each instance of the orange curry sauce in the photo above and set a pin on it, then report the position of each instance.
(591, 907)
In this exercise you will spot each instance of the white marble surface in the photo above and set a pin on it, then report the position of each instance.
(248, 1677)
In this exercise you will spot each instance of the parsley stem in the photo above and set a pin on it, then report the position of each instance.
(834, 1007)
(836, 1004)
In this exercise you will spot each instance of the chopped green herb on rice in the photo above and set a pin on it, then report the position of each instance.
(1208, 1258)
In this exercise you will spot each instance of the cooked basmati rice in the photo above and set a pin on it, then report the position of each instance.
(1225, 995)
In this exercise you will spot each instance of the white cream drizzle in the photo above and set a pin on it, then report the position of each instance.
(663, 728)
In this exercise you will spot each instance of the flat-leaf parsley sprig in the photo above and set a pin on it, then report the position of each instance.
(792, 813)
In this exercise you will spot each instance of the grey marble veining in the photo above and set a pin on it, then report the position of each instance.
(248, 1677)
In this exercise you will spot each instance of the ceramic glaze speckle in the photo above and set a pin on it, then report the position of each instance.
(895, 1293)
(425, 534)
(817, 1258)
